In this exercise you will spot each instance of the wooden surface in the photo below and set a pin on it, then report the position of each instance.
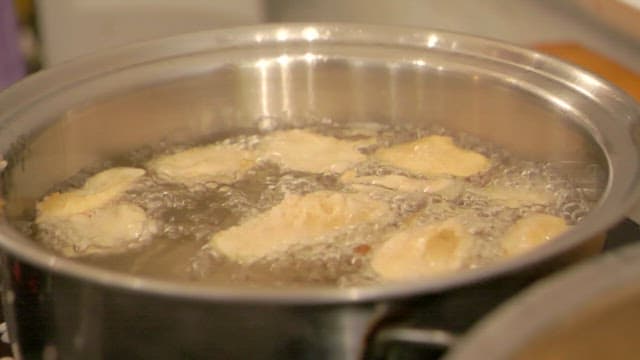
(614, 13)
(596, 63)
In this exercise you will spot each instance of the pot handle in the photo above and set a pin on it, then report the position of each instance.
(625, 233)
(430, 343)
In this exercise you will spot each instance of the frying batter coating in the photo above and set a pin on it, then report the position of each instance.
(532, 231)
(433, 155)
(514, 197)
(402, 183)
(98, 190)
(422, 251)
(92, 219)
(111, 229)
(302, 150)
(218, 163)
(298, 219)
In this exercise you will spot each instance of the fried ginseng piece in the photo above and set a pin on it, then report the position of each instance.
(531, 231)
(422, 250)
(302, 150)
(94, 219)
(217, 163)
(514, 196)
(444, 185)
(297, 220)
(433, 155)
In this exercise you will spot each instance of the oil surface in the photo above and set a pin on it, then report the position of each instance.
(189, 215)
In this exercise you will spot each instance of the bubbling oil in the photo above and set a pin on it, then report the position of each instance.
(187, 216)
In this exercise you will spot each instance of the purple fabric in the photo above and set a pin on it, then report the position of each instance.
(12, 65)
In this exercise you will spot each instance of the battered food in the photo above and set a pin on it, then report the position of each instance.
(422, 250)
(404, 183)
(215, 163)
(298, 219)
(433, 155)
(303, 150)
(93, 219)
(514, 197)
(532, 231)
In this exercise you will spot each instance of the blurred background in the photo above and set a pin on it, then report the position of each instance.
(54, 31)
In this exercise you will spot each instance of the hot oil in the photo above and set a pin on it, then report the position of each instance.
(189, 215)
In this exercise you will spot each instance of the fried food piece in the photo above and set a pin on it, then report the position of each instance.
(219, 163)
(514, 197)
(97, 191)
(433, 155)
(531, 231)
(302, 150)
(93, 219)
(422, 251)
(111, 229)
(400, 182)
(297, 220)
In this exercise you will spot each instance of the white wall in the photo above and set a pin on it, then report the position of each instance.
(75, 27)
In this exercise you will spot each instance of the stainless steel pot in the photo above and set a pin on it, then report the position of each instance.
(56, 122)
(588, 312)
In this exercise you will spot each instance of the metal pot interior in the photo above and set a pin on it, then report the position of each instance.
(181, 89)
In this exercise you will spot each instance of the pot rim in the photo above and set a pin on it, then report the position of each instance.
(618, 198)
